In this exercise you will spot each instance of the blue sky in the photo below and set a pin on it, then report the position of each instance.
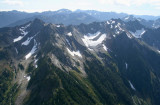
(139, 7)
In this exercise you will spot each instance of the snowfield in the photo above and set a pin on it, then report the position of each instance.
(138, 33)
(89, 40)
(73, 53)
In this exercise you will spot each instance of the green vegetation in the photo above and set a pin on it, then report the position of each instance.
(8, 91)
(53, 86)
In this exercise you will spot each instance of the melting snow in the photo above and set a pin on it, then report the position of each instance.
(88, 40)
(69, 34)
(105, 48)
(138, 33)
(32, 51)
(132, 86)
(74, 53)
(23, 33)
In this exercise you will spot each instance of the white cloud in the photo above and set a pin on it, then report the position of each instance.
(130, 2)
(13, 2)
(79, 5)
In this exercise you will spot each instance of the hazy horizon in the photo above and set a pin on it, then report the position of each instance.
(73, 11)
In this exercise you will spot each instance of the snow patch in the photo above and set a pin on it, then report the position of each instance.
(111, 26)
(139, 20)
(35, 62)
(28, 40)
(23, 33)
(22, 29)
(73, 53)
(16, 50)
(69, 34)
(129, 36)
(108, 22)
(155, 26)
(119, 26)
(28, 78)
(92, 36)
(138, 33)
(104, 47)
(90, 49)
(88, 40)
(127, 18)
(113, 22)
(126, 65)
(68, 43)
(132, 85)
(17, 39)
(58, 26)
(117, 32)
(32, 51)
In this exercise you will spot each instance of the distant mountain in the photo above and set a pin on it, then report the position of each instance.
(9, 17)
(129, 18)
(147, 23)
(102, 16)
(67, 17)
(60, 18)
(100, 63)
(147, 17)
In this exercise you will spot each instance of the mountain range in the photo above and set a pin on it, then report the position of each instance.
(68, 17)
(112, 62)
